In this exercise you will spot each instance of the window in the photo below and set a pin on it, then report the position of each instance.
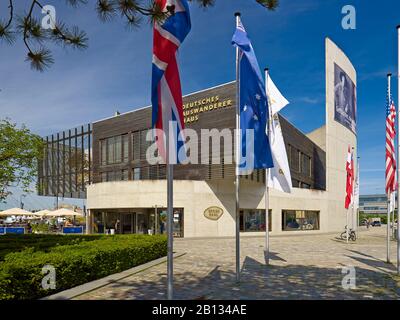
(103, 148)
(300, 220)
(111, 150)
(110, 176)
(125, 147)
(136, 145)
(254, 220)
(136, 174)
(305, 165)
(117, 149)
(294, 159)
(305, 186)
(125, 176)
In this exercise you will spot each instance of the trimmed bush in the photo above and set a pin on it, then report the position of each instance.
(15, 243)
(21, 272)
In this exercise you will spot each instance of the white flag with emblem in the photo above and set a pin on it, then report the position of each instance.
(279, 177)
(276, 100)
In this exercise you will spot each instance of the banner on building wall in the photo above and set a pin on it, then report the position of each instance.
(345, 100)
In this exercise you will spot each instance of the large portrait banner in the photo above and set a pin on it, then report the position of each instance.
(345, 100)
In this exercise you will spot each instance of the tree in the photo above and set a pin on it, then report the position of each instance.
(29, 26)
(20, 151)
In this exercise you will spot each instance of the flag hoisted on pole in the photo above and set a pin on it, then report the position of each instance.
(266, 178)
(253, 150)
(391, 183)
(166, 96)
(278, 177)
(349, 188)
(398, 155)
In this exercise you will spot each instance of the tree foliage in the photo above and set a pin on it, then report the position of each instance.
(20, 151)
(28, 25)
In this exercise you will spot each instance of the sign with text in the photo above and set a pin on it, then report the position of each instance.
(213, 213)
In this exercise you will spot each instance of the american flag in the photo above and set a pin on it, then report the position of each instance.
(391, 179)
(166, 86)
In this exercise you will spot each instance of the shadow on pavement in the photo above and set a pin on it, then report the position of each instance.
(259, 282)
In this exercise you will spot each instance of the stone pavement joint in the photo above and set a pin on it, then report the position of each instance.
(302, 267)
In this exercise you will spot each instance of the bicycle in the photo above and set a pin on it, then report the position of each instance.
(352, 235)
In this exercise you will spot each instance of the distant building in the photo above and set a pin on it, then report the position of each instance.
(374, 204)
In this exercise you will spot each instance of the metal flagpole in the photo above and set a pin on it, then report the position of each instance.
(388, 230)
(392, 214)
(398, 154)
(170, 219)
(353, 192)
(347, 226)
(237, 181)
(389, 77)
(266, 178)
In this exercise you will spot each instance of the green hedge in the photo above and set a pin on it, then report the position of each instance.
(16, 243)
(21, 272)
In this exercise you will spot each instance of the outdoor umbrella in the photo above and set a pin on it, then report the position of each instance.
(42, 213)
(15, 212)
(63, 213)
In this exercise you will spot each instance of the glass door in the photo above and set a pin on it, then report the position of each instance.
(127, 223)
(140, 223)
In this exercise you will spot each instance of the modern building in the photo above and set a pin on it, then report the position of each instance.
(374, 204)
(126, 193)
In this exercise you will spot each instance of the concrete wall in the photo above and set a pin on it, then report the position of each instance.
(338, 139)
(196, 196)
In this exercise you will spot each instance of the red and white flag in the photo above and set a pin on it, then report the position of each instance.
(350, 179)
(391, 181)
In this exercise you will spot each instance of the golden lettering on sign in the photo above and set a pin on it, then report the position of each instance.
(192, 110)
(213, 213)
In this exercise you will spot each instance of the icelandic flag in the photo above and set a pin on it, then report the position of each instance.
(254, 143)
(166, 93)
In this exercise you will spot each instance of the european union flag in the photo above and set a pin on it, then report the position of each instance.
(255, 146)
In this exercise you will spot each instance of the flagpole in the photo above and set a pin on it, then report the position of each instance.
(358, 194)
(389, 78)
(398, 154)
(266, 178)
(347, 226)
(237, 178)
(352, 193)
(170, 218)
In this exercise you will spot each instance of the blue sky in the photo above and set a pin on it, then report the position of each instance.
(114, 72)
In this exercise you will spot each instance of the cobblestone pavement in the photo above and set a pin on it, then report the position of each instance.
(302, 267)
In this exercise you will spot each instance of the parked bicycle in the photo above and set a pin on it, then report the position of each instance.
(352, 235)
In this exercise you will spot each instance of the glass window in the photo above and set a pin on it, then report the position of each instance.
(110, 150)
(300, 220)
(118, 149)
(125, 143)
(294, 159)
(103, 150)
(111, 176)
(254, 220)
(136, 145)
(136, 174)
(125, 176)
(305, 165)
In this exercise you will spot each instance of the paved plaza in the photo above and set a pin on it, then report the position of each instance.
(302, 267)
